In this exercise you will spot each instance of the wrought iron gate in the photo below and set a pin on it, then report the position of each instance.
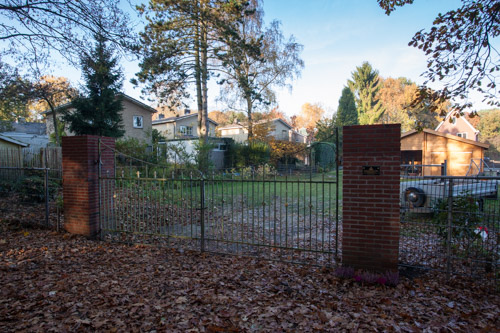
(255, 211)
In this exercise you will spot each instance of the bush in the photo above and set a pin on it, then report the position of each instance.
(253, 154)
(6, 187)
(258, 172)
(32, 189)
(466, 219)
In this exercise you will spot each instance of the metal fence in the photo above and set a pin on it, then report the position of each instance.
(253, 211)
(31, 196)
(451, 224)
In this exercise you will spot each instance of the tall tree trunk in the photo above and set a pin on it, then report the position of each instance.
(250, 120)
(198, 71)
(56, 123)
(204, 85)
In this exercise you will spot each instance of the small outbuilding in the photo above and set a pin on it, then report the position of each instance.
(430, 147)
(10, 151)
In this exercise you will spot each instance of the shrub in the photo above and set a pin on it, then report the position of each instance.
(344, 272)
(253, 154)
(32, 189)
(5, 187)
(389, 278)
(466, 219)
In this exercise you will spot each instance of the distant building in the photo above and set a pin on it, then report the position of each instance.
(31, 134)
(278, 129)
(182, 127)
(136, 119)
(6, 142)
(460, 126)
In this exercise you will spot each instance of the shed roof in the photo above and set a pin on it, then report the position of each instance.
(11, 140)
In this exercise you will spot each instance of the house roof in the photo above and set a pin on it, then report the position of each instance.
(124, 96)
(28, 128)
(446, 135)
(238, 125)
(175, 119)
(11, 140)
(231, 126)
(464, 117)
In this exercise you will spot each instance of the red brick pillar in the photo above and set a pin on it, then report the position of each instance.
(80, 156)
(371, 160)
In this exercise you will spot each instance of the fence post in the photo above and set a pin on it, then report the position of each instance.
(46, 196)
(337, 165)
(99, 186)
(202, 213)
(450, 220)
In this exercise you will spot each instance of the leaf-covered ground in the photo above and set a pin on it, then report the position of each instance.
(54, 282)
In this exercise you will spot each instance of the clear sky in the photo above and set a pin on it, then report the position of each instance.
(337, 35)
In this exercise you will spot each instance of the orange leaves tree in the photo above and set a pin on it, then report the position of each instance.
(460, 52)
(286, 152)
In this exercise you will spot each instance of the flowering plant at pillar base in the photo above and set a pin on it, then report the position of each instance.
(389, 278)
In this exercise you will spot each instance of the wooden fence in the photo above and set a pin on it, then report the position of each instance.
(31, 158)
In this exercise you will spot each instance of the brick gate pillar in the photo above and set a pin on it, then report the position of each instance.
(371, 168)
(80, 155)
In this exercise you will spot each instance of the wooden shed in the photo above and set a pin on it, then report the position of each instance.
(431, 147)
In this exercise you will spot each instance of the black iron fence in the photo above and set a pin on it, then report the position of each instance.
(251, 211)
(451, 224)
(31, 195)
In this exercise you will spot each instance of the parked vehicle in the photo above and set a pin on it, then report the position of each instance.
(420, 195)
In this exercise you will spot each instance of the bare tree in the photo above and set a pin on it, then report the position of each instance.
(31, 30)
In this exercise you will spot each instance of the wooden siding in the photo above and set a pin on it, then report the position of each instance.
(437, 148)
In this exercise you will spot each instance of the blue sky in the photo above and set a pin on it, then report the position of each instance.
(337, 35)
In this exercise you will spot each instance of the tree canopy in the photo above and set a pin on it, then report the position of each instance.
(14, 96)
(397, 97)
(266, 61)
(460, 52)
(489, 131)
(31, 30)
(181, 46)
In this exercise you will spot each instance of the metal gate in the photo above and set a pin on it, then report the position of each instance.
(253, 211)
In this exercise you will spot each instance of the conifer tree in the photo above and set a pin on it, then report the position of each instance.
(98, 110)
(346, 112)
(365, 85)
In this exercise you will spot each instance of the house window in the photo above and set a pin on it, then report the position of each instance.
(138, 122)
(186, 130)
(462, 135)
(454, 120)
(284, 135)
(221, 147)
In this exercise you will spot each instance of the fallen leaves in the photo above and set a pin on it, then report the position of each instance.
(56, 282)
